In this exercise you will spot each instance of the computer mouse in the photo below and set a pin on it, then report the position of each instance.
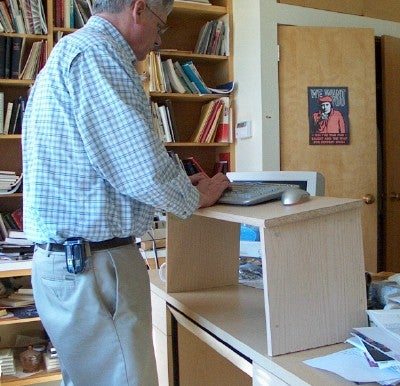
(294, 196)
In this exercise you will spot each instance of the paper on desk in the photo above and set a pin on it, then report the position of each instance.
(389, 320)
(352, 365)
(376, 334)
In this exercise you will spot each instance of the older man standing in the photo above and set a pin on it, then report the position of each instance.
(93, 173)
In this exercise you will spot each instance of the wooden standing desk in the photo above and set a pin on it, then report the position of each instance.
(314, 291)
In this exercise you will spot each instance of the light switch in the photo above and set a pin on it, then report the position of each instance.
(243, 130)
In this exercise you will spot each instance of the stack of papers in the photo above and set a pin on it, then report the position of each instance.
(376, 353)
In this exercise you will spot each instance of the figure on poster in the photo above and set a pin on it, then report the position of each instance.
(327, 119)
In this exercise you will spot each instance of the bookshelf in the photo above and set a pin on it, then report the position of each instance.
(11, 159)
(178, 43)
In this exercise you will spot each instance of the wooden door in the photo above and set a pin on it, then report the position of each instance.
(390, 52)
(332, 57)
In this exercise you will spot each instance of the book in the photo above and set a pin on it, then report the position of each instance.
(165, 122)
(21, 296)
(191, 87)
(157, 80)
(7, 117)
(16, 48)
(203, 38)
(3, 229)
(7, 361)
(223, 132)
(84, 10)
(7, 59)
(156, 119)
(225, 156)
(192, 166)
(216, 38)
(27, 16)
(17, 215)
(5, 302)
(3, 43)
(31, 67)
(193, 74)
(206, 110)
(176, 83)
(14, 116)
(220, 167)
(18, 241)
(17, 128)
(209, 131)
(17, 18)
(5, 18)
(168, 87)
(172, 120)
(1, 111)
(58, 10)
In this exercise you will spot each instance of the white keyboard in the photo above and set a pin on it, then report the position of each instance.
(252, 193)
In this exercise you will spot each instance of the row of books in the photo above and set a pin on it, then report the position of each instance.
(169, 76)
(213, 125)
(23, 297)
(72, 13)
(21, 58)
(214, 122)
(213, 38)
(164, 122)
(23, 16)
(11, 224)
(11, 115)
(9, 180)
(13, 244)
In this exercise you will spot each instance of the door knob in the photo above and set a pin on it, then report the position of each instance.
(369, 199)
(394, 196)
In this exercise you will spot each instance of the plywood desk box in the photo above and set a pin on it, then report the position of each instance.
(313, 276)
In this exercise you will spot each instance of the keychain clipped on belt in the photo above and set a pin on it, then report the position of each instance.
(75, 254)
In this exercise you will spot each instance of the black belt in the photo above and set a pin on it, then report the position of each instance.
(94, 245)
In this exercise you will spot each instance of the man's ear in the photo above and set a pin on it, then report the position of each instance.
(138, 7)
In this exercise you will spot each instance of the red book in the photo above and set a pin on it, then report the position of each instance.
(211, 122)
(223, 128)
(18, 218)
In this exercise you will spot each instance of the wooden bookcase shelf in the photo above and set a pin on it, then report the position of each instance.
(179, 41)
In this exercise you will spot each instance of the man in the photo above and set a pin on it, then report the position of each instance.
(93, 173)
(327, 119)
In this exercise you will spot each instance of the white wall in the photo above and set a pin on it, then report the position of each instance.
(256, 69)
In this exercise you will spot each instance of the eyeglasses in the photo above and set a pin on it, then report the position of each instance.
(160, 28)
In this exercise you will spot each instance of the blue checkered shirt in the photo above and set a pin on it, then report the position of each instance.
(93, 166)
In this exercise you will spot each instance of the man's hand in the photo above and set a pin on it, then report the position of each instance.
(210, 188)
(195, 178)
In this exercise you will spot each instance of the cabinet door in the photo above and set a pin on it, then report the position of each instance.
(332, 57)
(390, 51)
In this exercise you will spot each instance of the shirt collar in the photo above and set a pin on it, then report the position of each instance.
(106, 27)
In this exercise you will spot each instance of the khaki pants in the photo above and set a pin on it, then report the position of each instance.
(100, 320)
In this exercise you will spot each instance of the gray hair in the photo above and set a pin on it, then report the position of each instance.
(115, 6)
